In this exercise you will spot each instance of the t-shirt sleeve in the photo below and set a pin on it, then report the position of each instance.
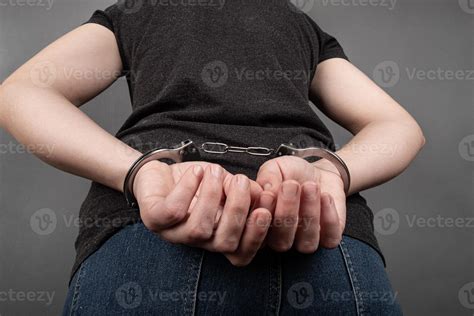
(103, 18)
(329, 47)
(324, 46)
(111, 18)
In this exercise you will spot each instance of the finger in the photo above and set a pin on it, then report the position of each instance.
(269, 176)
(255, 191)
(232, 222)
(307, 234)
(200, 224)
(331, 234)
(285, 219)
(266, 200)
(254, 234)
(174, 207)
(159, 207)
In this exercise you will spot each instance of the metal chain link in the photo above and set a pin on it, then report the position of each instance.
(221, 148)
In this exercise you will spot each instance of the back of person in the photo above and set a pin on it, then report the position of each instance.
(251, 234)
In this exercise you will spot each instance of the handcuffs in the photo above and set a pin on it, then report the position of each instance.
(188, 151)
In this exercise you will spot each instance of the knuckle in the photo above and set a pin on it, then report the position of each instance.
(226, 245)
(255, 244)
(286, 221)
(280, 246)
(307, 247)
(198, 233)
(331, 242)
(238, 208)
(174, 211)
(239, 262)
(169, 237)
(151, 227)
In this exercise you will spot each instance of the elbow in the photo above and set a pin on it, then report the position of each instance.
(8, 91)
(422, 139)
(418, 134)
(2, 98)
(4, 92)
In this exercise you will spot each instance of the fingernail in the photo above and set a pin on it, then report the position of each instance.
(216, 170)
(267, 186)
(266, 201)
(242, 181)
(197, 170)
(290, 189)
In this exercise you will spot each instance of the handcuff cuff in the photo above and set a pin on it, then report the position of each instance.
(188, 151)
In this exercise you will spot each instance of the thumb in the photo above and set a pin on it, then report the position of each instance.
(269, 176)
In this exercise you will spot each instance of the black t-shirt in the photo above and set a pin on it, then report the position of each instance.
(237, 72)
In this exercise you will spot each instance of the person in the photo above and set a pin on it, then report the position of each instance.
(230, 233)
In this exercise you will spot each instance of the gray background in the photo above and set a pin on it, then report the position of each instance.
(430, 265)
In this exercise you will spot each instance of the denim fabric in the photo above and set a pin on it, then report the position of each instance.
(137, 273)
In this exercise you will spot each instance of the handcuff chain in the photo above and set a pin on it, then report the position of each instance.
(221, 148)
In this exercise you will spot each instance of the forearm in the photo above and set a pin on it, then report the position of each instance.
(42, 118)
(379, 152)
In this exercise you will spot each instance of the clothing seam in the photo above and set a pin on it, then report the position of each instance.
(75, 296)
(352, 278)
(196, 286)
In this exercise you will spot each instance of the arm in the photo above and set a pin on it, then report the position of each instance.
(46, 113)
(386, 139)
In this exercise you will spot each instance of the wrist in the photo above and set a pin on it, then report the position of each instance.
(125, 165)
(143, 170)
(326, 165)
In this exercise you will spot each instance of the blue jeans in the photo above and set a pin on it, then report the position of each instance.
(137, 273)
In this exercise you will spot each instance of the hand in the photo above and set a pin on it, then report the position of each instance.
(310, 208)
(201, 204)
